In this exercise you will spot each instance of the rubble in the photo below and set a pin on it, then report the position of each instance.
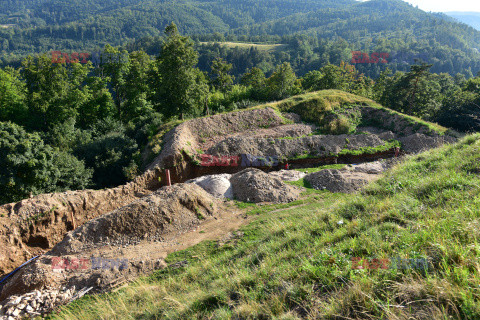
(37, 303)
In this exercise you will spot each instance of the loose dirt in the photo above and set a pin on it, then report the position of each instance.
(254, 185)
(173, 218)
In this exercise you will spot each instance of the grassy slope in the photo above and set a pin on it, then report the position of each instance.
(245, 45)
(295, 262)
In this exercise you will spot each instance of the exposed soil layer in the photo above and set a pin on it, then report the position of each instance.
(148, 229)
(197, 134)
(32, 226)
(317, 146)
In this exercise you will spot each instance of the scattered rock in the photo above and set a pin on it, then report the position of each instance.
(254, 185)
(33, 304)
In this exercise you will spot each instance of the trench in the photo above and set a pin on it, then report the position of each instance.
(189, 170)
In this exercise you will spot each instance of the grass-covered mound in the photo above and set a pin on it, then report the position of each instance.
(295, 261)
(337, 112)
(332, 111)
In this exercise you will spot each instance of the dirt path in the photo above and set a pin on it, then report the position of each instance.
(212, 229)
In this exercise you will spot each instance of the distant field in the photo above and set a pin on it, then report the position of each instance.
(263, 47)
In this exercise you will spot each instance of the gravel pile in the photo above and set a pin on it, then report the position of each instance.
(254, 185)
(218, 185)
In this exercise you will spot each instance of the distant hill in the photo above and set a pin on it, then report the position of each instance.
(393, 26)
(470, 18)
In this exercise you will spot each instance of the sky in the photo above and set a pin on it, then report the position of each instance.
(446, 5)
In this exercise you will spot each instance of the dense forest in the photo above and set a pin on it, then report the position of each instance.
(315, 32)
(76, 125)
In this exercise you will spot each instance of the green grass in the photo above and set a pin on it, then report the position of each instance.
(245, 45)
(316, 169)
(336, 111)
(294, 260)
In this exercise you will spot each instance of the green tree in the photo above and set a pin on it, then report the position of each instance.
(282, 83)
(221, 79)
(416, 92)
(12, 97)
(28, 166)
(114, 67)
(136, 86)
(54, 90)
(255, 80)
(180, 88)
(111, 153)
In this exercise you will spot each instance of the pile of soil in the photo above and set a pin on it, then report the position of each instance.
(351, 178)
(254, 185)
(218, 185)
(140, 233)
(170, 209)
(343, 181)
(33, 226)
(419, 142)
(376, 167)
(320, 146)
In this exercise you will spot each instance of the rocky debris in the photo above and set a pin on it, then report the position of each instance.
(35, 303)
(351, 178)
(254, 185)
(169, 210)
(32, 226)
(217, 185)
(419, 142)
(339, 180)
(376, 167)
(315, 146)
(288, 175)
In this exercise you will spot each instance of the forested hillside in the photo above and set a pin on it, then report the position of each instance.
(334, 29)
(470, 18)
(93, 121)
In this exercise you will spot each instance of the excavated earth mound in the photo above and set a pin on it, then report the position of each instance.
(339, 180)
(418, 142)
(349, 179)
(191, 135)
(138, 231)
(254, 185)
(32, 226)
(170, 209)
